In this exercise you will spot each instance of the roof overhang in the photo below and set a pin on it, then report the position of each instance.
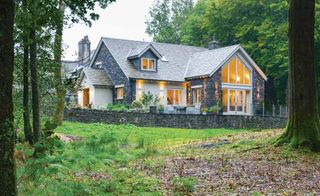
(246, 55)
(148, 47)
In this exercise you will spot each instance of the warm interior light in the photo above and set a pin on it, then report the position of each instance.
(248, 76)
(238, 79)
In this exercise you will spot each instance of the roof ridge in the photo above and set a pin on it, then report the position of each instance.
(152, 42)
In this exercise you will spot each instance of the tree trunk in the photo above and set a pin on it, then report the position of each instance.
(7, 133)
(26, 117)
(60, 89)
(303, 128)
(34, 86)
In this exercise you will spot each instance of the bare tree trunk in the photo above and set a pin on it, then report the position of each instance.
(7, 133)
(60, 89)
(303, 128)
(26, 117)
(35, 87)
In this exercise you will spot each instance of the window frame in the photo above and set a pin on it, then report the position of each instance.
(174, 96)
(121, 89)
(244, 66)
(149, 59)
(196, 98)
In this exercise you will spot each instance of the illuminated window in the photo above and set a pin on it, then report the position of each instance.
(236, 72)
(196, 95)
(225, 100)
(148, 64)
(173, 97)
(120, 92)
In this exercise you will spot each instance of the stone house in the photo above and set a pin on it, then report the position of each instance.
(181, 76)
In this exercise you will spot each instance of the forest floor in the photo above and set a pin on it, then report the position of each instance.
(100, 159)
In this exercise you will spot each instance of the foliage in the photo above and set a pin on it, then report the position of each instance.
(260, 27)
(117, 107)
(101, 162)
(166, 18)
(146, 99)
(137, 105)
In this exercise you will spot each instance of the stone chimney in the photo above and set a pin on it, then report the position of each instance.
(84, 50)
(214, 44)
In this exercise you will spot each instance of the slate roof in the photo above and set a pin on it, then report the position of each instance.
(178, 62)
(97, 77)
(173, 69)
(205, 63)
(137, 50)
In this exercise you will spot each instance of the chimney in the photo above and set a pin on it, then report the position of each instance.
(84, 50)
(214, 44)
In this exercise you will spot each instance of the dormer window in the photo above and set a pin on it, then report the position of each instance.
(148, 64)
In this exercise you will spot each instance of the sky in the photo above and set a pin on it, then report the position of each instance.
(122, 19)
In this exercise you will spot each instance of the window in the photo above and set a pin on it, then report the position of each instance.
(120, 92)
(236, 72)
(196, 95)
(173, 97)
(148, 64)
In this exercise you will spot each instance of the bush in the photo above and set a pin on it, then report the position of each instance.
(117, 107)
(137, 105)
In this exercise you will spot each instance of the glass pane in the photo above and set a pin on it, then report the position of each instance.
(178, 97)
(247, 102)
(239, 72)
(224, 74)
(170, 97)
(145, 64)
(239, 98)
(151, 64)
(225, 100)
(247, 75)
(232, 71)
(198, 95)
(232, 100)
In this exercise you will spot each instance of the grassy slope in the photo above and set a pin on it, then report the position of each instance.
(100, 164)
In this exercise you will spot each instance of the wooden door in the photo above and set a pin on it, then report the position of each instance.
(86, 97)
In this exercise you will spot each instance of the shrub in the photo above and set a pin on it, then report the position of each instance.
(137, 105)
(146, 99)
(117, 107)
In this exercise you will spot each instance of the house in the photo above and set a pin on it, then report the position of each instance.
(71, 69)
(186, 76)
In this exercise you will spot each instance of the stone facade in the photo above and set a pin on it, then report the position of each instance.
(211, 89)
(116, 75)
(258, 93)
(175, 120)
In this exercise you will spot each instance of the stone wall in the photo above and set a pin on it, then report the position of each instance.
(174, 120)
(210, 91)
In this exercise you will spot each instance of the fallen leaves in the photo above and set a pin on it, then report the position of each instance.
(243, 168)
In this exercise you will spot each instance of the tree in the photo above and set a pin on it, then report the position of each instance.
(303, 128)
(26, 115)
(166, 18)
(7, 134)
(60, 89)
(79, 11)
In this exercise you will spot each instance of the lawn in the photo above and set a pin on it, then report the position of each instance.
(106, 159)
(100, 161)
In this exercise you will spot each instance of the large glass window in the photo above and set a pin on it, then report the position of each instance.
(148, 64)
(173, 97)
(236, 72)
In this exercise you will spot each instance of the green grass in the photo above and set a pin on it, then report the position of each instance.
(100, 164)
(161, 136)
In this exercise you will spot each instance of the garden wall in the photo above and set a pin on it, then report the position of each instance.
(174, 120)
